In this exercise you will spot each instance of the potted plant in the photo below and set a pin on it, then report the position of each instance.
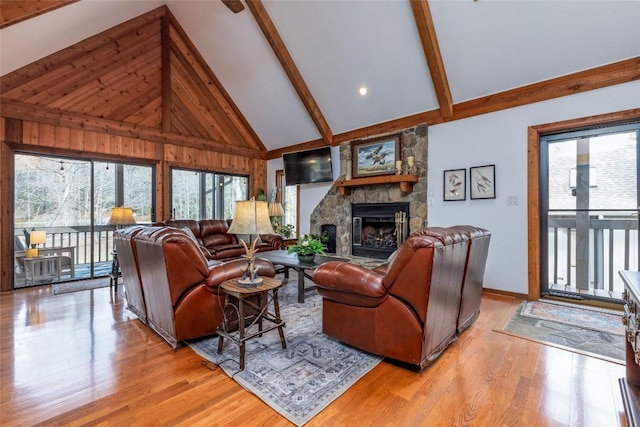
(285, 230)
(307, 247)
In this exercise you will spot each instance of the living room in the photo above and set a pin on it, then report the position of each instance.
(594, 82)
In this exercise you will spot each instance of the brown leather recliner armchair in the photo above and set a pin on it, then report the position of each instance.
(407, 310)
(181, 292)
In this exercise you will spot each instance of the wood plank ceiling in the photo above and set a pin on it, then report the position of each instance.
(144, 73)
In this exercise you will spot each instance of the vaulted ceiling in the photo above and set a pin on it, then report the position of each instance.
(287, 73)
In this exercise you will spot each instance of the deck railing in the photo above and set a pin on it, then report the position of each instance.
(612, 245)
(79, 237)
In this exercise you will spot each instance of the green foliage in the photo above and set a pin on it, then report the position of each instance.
(27, 237)
(308, 245)
(285, 230)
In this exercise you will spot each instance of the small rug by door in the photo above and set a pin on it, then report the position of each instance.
(79, 285)
(593, 331)
(302, 380)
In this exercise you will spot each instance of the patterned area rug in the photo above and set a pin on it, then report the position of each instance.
(302, 380)
(592, 331)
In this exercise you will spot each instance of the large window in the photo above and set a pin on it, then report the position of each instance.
(205, 195)
(289, 196)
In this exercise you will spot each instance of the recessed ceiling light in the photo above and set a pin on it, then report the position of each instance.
(362, 90)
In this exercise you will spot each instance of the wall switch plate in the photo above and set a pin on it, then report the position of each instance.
(513, 200)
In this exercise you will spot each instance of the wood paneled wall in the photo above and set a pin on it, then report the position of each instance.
(46, 138)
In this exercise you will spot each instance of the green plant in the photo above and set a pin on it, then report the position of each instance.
(285, 230)
(27, 237)
(308, 245)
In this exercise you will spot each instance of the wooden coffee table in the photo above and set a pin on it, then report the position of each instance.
(287, 260)
(238, 298)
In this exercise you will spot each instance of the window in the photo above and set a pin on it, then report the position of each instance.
(289, 196)
(203, 195)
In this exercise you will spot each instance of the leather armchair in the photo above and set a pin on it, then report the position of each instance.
(407, 310)
(180, 289)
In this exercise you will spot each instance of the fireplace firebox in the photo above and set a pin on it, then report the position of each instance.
(378, 228)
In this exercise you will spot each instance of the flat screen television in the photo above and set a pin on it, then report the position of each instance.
(307, 167)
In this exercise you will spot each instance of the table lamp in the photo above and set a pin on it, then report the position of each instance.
(121, 216)
(276, 212)
(38, 237)
(251, 217)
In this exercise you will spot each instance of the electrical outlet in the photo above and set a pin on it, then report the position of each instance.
(513, 200)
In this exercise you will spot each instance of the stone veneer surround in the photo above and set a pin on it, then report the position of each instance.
(336, 209)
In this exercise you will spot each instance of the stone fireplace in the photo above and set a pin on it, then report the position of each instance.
(337, 209)
(377, 228)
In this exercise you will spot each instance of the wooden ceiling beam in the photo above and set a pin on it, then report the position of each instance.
(235, 6)
(12, 12)
(17, 110)
(431, 48)
(570, 84)
(276, 154)
(277, 44)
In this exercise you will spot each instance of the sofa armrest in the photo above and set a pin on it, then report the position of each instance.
(275, 240)
(344, 277)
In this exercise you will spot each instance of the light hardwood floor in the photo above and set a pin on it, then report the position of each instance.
(83, 359)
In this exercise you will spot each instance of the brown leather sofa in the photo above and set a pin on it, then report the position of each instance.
(408, 310)
(180, 290)
(212, 235)
(128, 259)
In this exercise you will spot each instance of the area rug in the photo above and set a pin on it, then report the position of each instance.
(593, 331)
(80, 285)
(302, 380)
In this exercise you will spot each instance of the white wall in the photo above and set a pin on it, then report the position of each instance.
(310, 194)
(500, 138)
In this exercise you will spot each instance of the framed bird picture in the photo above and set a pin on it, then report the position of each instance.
(376, 156)
(455, 185)
(482, 182)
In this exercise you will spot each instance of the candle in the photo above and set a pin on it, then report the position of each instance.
(399, 164)
(410, 160)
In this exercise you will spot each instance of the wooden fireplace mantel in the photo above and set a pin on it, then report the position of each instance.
(406, 182)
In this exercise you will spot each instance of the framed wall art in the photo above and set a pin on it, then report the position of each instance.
(482, 182)
(455, 185)
(376, 156)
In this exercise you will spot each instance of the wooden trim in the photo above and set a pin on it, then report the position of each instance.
(429, 117)
(279, 181)
(510, 294)
(11, 132)
(276, 154)
(570, 84)
(12, 12)
(17, 110)
(533, 183)
(255, 140)
(277, 44)
(431, 50)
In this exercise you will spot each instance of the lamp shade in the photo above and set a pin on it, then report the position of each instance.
(251, 217)
(38, 237)
(275, 209)
(121, 216)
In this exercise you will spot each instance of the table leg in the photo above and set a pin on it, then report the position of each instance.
(276, 309)
(300, 285)
(241, 320)
(220, 343)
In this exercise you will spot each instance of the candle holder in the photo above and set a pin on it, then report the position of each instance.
(399, 167)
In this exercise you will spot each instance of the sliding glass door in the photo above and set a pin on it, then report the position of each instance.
(589, 211)
(70, 200)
